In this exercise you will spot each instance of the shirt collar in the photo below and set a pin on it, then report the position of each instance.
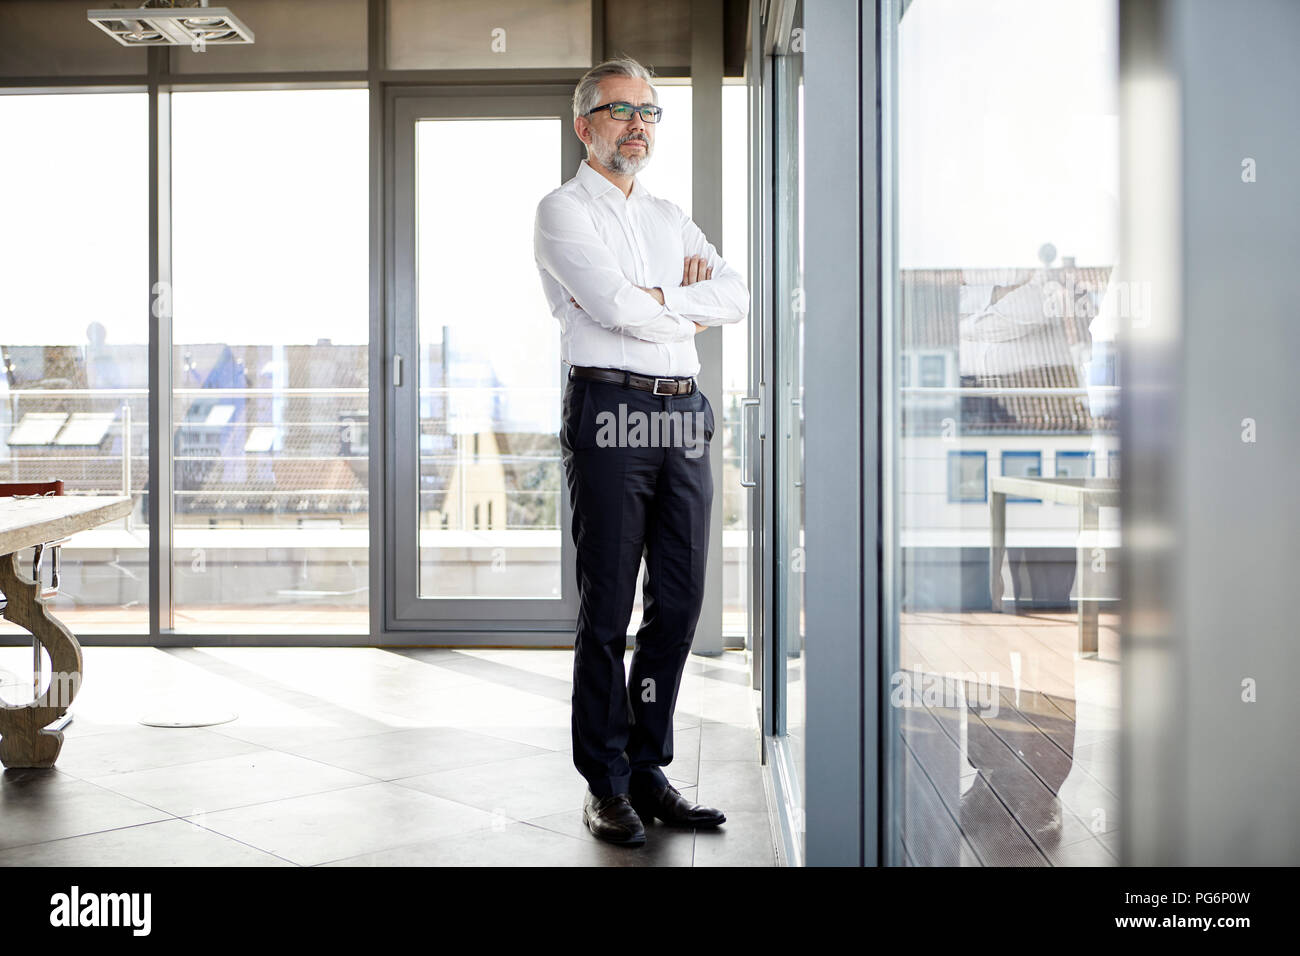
(597, 185)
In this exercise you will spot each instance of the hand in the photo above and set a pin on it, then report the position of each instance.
(699, 328)
(695, 269)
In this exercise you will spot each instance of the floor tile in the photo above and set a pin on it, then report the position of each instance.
(521, 789)
(37, 806)
(144, 748)
(209, 785)
(731, 786)
(166, 843)
(515, 844)
(744, 840)
(408, 753)
(719, 741)
(340, 824)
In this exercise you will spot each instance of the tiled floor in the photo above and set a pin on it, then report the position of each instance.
(361, 757)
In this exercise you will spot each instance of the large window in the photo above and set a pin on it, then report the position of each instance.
(1001, 637)
(271, 336)
(74, 333)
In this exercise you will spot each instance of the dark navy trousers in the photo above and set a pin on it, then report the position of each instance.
(633, 493)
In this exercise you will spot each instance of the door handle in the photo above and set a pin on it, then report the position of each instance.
(397, 371)
(745, 404)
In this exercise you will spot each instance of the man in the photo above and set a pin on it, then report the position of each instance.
(632, 280)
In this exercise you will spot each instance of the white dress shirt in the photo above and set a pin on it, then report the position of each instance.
(596, 246)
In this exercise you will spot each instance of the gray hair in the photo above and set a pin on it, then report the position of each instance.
(587, 95)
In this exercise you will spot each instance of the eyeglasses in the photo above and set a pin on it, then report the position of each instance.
(625, 111)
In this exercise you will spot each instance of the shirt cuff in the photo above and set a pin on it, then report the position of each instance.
(685, 325)
(678, 299)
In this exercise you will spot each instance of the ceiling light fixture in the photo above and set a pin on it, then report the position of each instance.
(189, 23)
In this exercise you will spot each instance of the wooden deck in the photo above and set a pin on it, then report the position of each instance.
(1019, 768)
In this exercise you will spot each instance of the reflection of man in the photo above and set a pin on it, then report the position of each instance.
(632, 280)
(101, 370)
(1013, 333)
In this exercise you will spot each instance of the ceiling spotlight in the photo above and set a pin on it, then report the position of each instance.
(190, 26)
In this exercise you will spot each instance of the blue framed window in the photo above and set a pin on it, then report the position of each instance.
(933, 371)
(968, 476)
(1022, 464)
(1075, 464)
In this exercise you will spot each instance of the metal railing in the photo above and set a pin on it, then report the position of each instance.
(133, 464)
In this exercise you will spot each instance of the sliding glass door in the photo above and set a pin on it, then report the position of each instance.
(479, 537)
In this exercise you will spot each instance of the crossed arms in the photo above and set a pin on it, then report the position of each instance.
(569, 248)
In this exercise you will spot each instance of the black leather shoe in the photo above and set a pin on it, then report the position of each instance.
(612, 819)
(672, 808)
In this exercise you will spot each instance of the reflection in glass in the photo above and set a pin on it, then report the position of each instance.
(788, 449)
(1002, 645)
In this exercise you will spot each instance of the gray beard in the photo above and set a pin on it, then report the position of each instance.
(612, 159)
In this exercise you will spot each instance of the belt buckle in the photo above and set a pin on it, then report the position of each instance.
(671, 381)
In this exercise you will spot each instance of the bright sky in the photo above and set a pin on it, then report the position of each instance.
(270, 227)
(1008, 132)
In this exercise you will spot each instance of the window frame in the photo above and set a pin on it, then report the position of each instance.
(1071, 454)
(954, 497)
(1024, 454)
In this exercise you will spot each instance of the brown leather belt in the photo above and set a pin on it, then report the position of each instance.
(647, 383)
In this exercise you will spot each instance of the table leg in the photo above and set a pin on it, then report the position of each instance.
(1088, 608)
(24, 741)
(997, 545)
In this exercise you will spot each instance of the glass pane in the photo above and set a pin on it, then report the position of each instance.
(271, 335)
(736, 520)
(669, 172)
(1074, 464)
(74, 335)
(489, 419)
(1002, 625)
(788, 448)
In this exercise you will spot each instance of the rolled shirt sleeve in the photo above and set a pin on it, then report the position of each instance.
(568, 247)
(721, 300)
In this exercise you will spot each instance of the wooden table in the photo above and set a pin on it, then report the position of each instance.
(25, 523)
(1088, 494)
